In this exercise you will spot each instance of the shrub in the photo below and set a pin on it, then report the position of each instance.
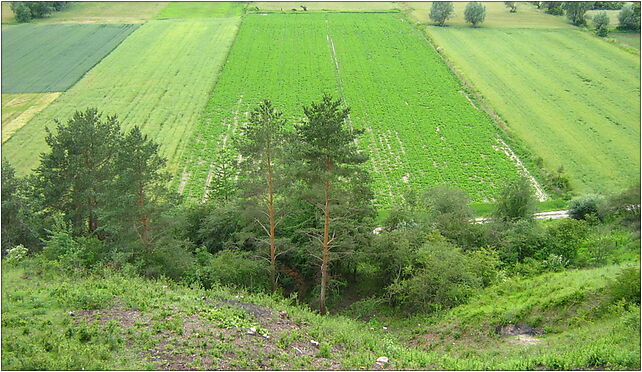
(516, 201)
(442, 277)
(555, 263)
(629, 17)
(22, 13)
(600, 21)
(602, 31)
(230, 267)
(626, 286)
(17, 253)
(580, 208)
(172, 259)
(564, 238)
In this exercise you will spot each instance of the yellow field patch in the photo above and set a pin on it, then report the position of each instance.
(18, 109)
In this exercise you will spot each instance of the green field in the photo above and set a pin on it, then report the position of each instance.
(195, 9)
(572, 98)
(421, 129)
(51, 58)
(324, 5)
(96, 12)
(159, 78)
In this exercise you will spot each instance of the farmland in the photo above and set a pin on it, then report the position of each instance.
(419, 123)
(18, 109)
(576, 106)
(193, 9)
(99, 12)
(51, 58)
(176, 65)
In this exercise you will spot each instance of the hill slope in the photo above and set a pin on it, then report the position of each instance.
(107, 320)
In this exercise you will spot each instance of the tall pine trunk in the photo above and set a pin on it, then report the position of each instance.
(326, 249)
(272, 232)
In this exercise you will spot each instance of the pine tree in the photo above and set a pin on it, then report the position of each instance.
(73, 177)
(138, 194)
(330, 167)
(261, 146)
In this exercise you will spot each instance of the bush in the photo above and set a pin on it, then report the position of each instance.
(518, 241)
(516, 201)
(22, 13)
(441, 277)
(582, 207)
(172, 259)
(564, 238)
(600, 19)
(629, 17)
(602, 31)
(232, 268)
(626, 286)
(17, 253)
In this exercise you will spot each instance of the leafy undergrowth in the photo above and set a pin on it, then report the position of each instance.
(108, 320)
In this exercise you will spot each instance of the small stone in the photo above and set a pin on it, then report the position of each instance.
(372, 329)
(297, 350)
(165, 287)
(382, 360)
(266, 336)
(314, 343)
(251, 331)
(283, 314)
(71, 313)
(203, 298)
(385, 328)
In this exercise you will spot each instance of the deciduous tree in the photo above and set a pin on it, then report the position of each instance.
(576, 11)
(475, 13)
(440, 11)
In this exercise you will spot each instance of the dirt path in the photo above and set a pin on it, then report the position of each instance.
(551, 215)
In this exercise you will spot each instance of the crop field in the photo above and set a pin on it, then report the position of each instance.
(51, 58)
(421, 129)
(197, 9)
(324, 5)
(102, 12)
(18, 109)
(572, 98)
(176, 64)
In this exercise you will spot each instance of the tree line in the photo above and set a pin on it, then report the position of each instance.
(289, 210)
(25, 11)
(475, 13)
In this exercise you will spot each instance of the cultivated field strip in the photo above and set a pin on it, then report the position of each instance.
(159, 78)
(51, 58)
(18, 109)
(574, 99)
(420, 129)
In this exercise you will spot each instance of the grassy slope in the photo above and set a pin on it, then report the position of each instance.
(52, 58)
(419, 125)
(176, 63)
(121, 322)
(587, 120)
(18, 109)
(189, 9)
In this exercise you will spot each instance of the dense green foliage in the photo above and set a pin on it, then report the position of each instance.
(25, 11)
(52, 58)
(601, 22)
(576, 11)
(475, 13)
(164, 94)
(629, 17)
(440, 11)
(422, 131)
